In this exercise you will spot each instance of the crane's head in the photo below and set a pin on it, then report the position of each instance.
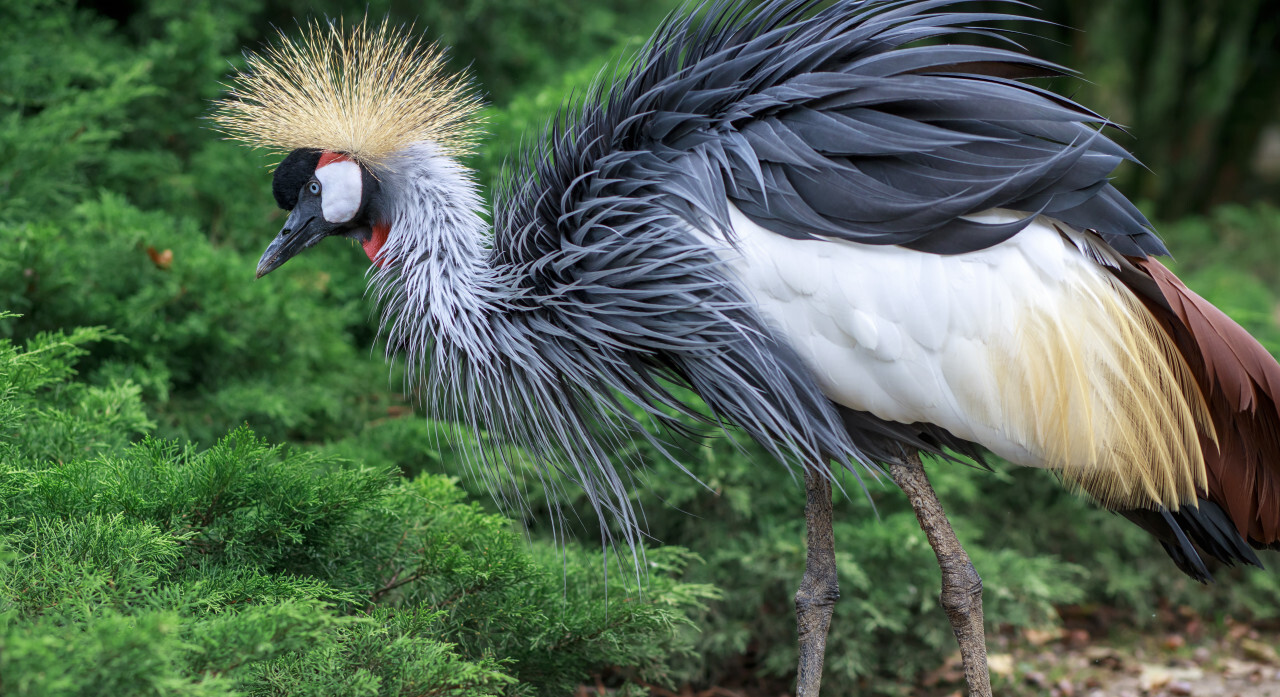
(326, 194)
(345, 104)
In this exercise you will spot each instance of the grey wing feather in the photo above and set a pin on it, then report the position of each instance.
(864, 139)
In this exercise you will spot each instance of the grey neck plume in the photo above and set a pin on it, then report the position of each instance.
(435, 282)
(459, 319)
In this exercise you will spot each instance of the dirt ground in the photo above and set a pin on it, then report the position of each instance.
(1230, 660)
(1227, 659)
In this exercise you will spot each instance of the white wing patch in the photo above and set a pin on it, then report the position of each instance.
(1029, 348)
(340, 190)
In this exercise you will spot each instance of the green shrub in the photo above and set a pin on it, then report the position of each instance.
(249, 568)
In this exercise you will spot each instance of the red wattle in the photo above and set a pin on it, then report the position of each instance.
(374, 244)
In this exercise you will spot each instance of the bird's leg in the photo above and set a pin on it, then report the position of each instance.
(961, 586)
(819, 590)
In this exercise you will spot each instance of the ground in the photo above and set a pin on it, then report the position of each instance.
(1228, 659)
(1193, 658)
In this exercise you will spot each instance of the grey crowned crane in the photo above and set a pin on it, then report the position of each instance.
(855, 236)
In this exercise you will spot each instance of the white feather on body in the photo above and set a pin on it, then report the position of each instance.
(1029, 348)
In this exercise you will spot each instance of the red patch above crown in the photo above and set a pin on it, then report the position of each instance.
(328, 158)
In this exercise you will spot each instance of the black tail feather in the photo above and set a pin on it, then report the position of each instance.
(1190, 532)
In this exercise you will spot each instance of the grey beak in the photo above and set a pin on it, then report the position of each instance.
(304, 228)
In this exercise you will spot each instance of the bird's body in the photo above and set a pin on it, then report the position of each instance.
(851, 245)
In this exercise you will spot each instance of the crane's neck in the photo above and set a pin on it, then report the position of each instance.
(433, 278)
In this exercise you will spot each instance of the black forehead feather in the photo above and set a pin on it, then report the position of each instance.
(289, 177)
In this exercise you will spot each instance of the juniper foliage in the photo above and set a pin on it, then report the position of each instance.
(157, 567)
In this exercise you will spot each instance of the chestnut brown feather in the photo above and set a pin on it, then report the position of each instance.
(1241, 382)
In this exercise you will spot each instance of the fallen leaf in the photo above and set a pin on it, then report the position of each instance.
(1154, 678)
(1260, 651)
(1040, 637)
(1236, 668)
(162, 260)
(1078, 637)
(1097, 653)
(1104, 657)
(1000, 664)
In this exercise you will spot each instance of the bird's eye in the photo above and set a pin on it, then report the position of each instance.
(314, 187)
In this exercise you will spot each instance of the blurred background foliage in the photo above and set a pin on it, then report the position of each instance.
(120, 209)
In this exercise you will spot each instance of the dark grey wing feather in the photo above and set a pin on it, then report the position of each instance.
(834, 106)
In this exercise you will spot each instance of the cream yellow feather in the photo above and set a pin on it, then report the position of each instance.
(1107, 400)
(368, 91)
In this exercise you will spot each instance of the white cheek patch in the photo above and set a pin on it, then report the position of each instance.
(340, 190)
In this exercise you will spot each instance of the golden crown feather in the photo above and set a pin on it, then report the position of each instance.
(368, 92)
